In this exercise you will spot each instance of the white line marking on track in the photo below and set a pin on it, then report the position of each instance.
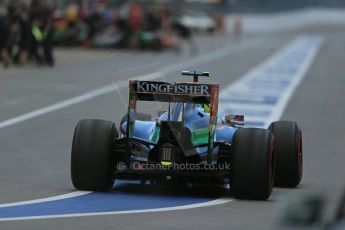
(268, 87)
(285, 98)
(183, 207)
(53, 198)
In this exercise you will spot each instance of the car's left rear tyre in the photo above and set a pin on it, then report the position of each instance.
(92, 160)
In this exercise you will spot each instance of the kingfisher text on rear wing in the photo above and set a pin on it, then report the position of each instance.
(177, 88)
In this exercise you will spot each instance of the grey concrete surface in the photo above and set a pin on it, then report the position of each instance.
(34, 159)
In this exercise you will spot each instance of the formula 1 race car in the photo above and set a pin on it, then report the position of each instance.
(190, 142)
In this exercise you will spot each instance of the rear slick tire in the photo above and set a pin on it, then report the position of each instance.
(252, 164)
(288, 151)
(92, 161)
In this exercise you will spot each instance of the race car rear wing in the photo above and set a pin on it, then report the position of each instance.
(166, 92)
(194, 93)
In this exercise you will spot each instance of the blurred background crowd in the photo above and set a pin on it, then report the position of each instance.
(29, 29)
(26, 33)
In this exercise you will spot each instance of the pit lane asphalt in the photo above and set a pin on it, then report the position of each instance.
(35, 154)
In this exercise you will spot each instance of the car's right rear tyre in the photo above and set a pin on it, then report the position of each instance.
(252, 164)
(92, 161)
(288, 152)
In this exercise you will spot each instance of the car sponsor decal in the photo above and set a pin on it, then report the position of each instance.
(177, 88)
